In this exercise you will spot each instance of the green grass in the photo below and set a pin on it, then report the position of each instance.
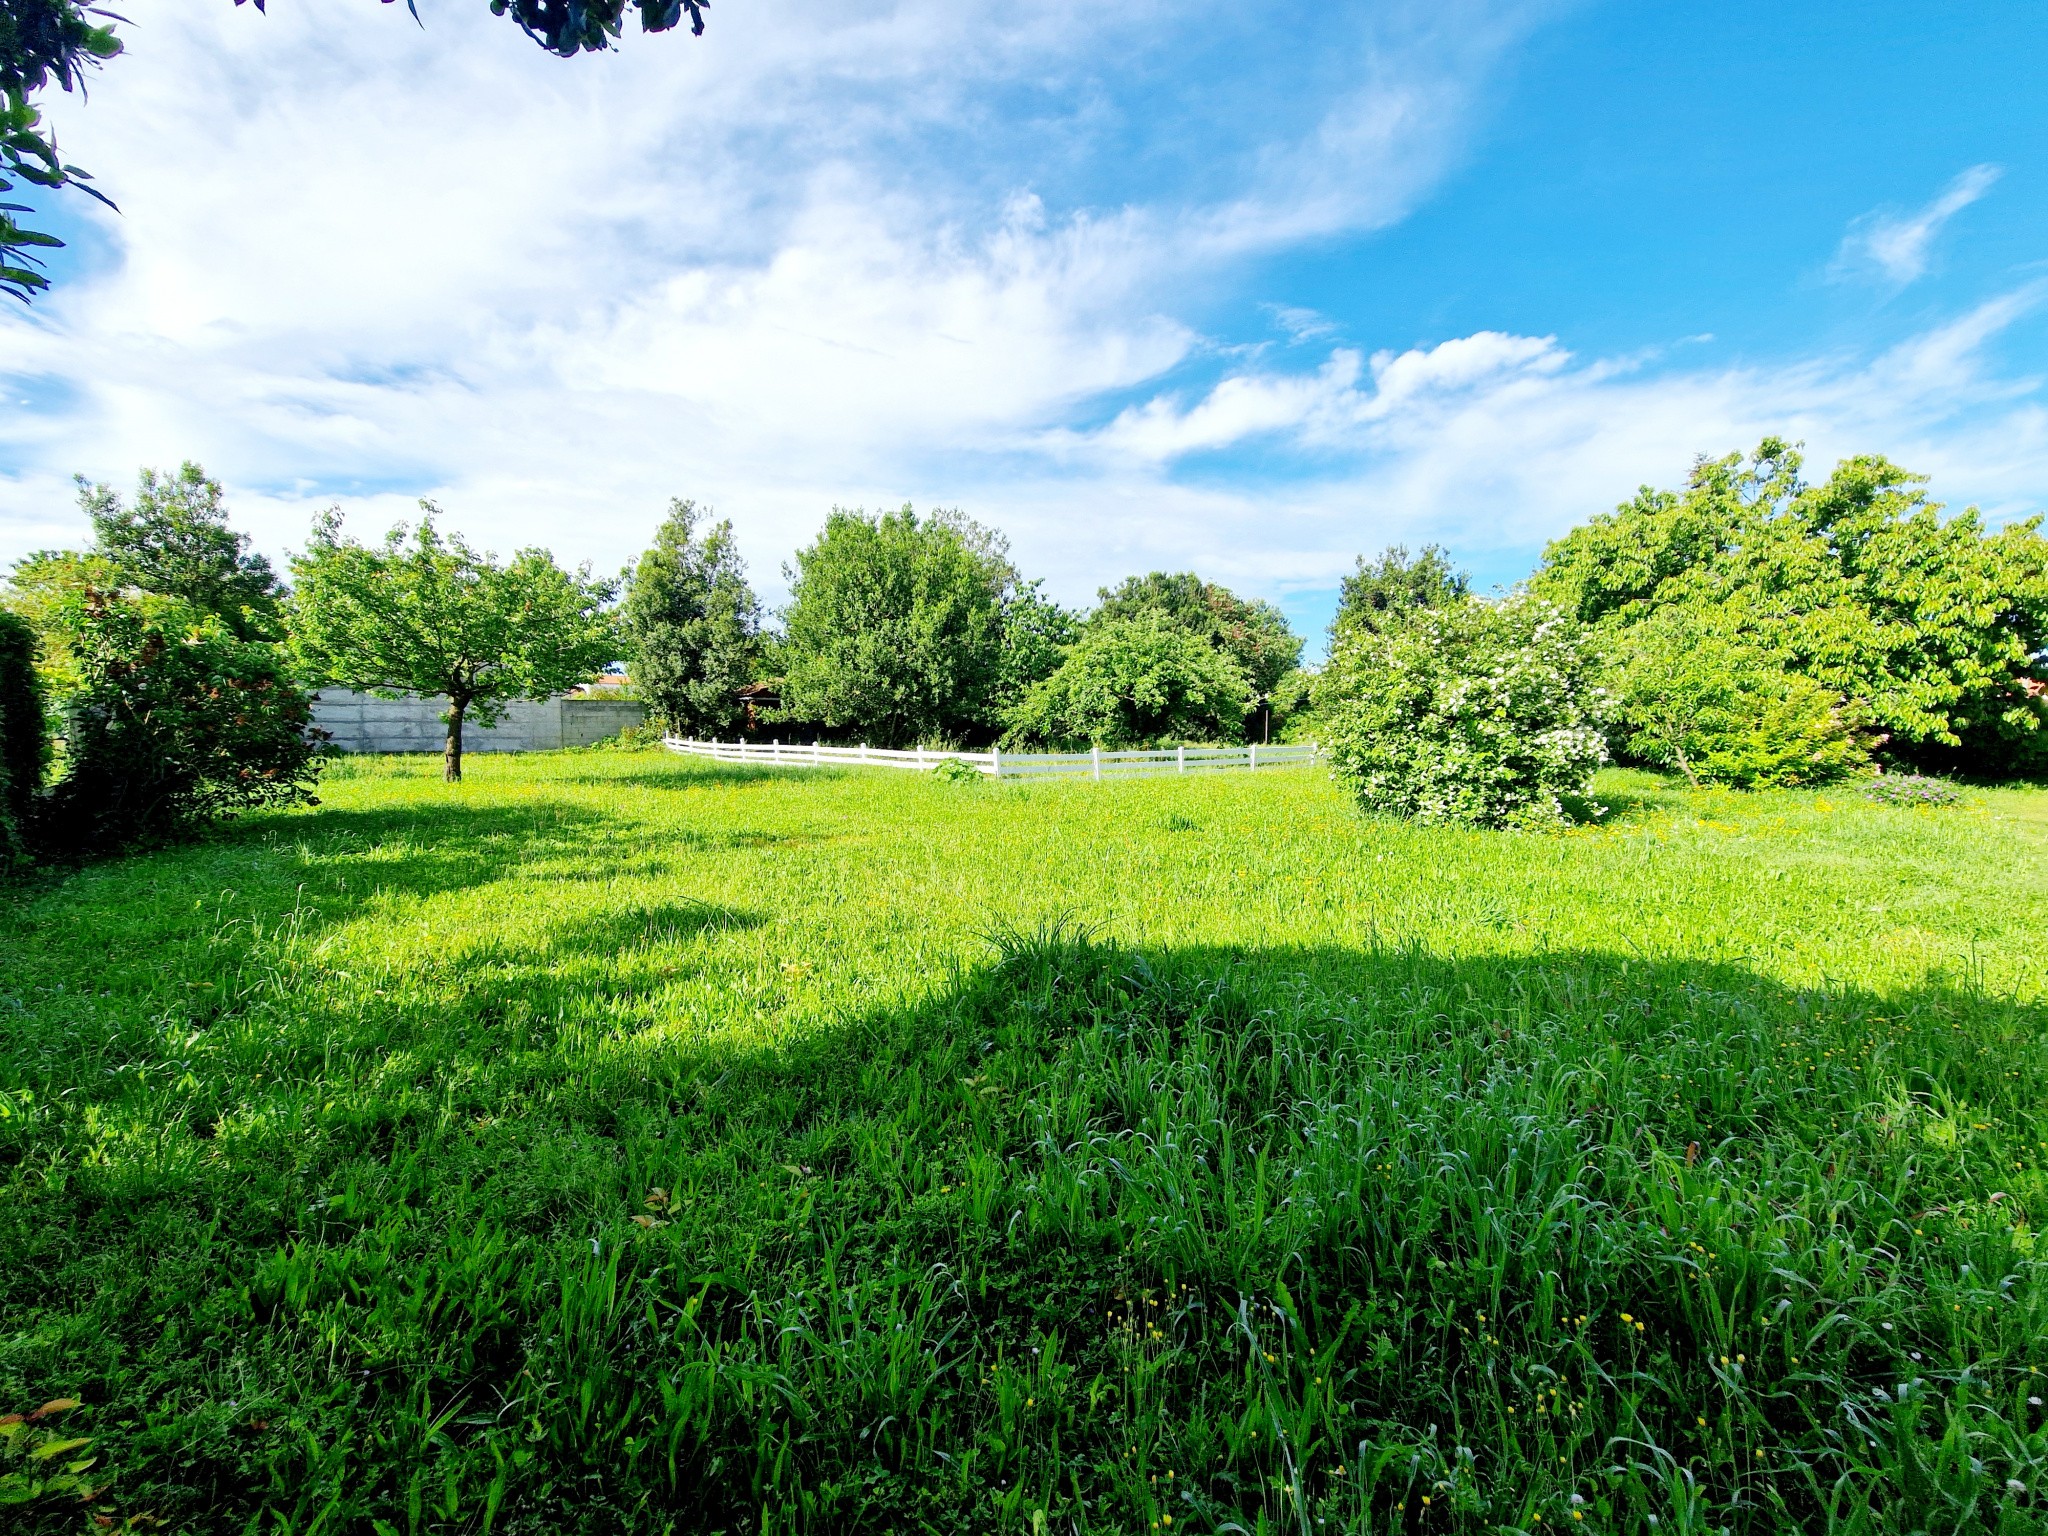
(618, 1143)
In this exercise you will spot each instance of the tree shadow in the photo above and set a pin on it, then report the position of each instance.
(813, 1265)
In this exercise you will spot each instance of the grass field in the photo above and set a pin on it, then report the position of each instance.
(618, 1143)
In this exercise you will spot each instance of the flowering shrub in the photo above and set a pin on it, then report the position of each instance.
(1479, 713)
(1911, 789)
(179, 723)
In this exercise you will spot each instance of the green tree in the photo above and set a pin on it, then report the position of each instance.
(1255, 635)
(24, 735)
(178, 721)
(1721, 711)
(1036, 634)
(175, 542)
(48, 589)
(1485, 714)
(692, 625)
(1137, 681)
(1929, 626)
(894, 628)
(1382, 591)
(425, 613)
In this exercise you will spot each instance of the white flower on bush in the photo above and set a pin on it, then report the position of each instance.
(1479, 713)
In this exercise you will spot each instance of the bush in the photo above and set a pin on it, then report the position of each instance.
(24, 735)
(1911, 789)
(177, 723)
(1478, 713)
(1722, 711)
(1139, 681)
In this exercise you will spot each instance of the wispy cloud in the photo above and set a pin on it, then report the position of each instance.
(1898, 246)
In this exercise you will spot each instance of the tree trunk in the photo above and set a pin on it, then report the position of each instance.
(452, 758)
(1685, 765)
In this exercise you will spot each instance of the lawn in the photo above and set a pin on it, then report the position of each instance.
(617, 1143)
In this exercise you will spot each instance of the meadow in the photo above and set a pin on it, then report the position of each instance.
(616, 1143)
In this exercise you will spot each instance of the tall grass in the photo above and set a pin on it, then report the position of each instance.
(617, 1144)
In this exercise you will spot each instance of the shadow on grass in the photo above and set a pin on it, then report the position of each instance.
(509, 1241)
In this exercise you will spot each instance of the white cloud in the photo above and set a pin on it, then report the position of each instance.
(808, 258)
(1497, 443)
(828, 256)
(1899, 245)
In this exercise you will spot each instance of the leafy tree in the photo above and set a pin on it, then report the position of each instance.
(178, 721)
(692, 624)
(894, 628)
(175, 542)
(1135, 681)
(24, 735)
(1722, 711)
(1036, 634)
(48, 589)
(1929, 626)
(1254, 635)
(1381, 592)
(1479, 713)
(427, 614)
(61, 40)
(40, 40)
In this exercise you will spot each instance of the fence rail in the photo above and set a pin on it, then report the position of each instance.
(998, 764)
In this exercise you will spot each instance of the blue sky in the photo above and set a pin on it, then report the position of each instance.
(1247, 291)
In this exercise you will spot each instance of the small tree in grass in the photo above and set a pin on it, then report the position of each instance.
(1479, 713)
(424, 613)
(1723, 711)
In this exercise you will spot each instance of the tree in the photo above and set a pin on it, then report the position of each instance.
(178, 721)
(1484, 714)
(427, 614)
(48, 588)
(692, 625)
(42, 40)
(895, 627)
(1929, 626)
(175, 542)
(1255, 635)
(1381, 592)
(1722, 711)
(1036, 634)
(24, 735)
(1136, 681)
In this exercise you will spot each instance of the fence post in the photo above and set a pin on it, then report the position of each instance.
(815, 759)
(995, 755)
(1180, 759)
(1255, 757)
(920, 754)
(863, 751)
(1095, 760)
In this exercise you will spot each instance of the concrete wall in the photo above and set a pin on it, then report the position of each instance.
(361, 723)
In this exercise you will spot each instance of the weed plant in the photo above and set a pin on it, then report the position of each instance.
(617, 1143)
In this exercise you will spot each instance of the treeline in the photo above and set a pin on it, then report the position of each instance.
(1750, 629)
(904, 630)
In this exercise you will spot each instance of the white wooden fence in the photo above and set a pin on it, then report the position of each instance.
(999, 764)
